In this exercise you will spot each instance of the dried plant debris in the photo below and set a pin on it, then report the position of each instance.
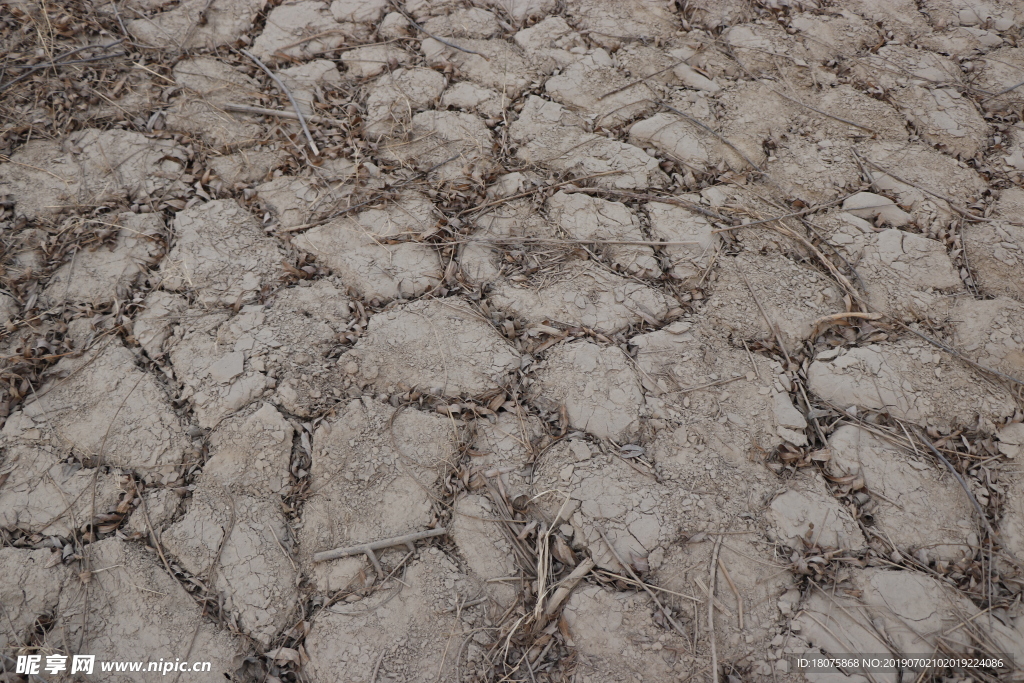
(512, 340)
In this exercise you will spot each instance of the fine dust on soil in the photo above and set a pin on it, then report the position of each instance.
(695, 329)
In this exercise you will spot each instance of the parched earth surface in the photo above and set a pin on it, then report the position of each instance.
(693, 333)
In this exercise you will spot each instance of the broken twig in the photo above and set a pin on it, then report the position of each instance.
(442, 40)
(733, 588)
(367, 548)
(282, 88)
(711, 610)
(263, 111)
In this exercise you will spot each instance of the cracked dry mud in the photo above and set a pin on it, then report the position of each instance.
(695, 329)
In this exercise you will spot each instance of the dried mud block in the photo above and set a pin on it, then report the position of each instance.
(962, 41)
(551, 136)
(750, 112)
(879, 119)
(918, 506)
(608, 628)
(753, 568)
(598, 387)
(790, 422)
(677, 138)
(359, 11)
(253, 574)
(451, 145)
(588, 87)
(689, 262)
(196, 24)
(247, 166)
(591, 218)
(653, 64)
(215, 377)
(611, 25)
(547, 44)
(808, 516)
(991, 332)
(292, 200)
(1013, 155)
(207, 85)
(815, 172)
(996, 254)
(441, 345)
(103, 405)
(356, 250)
(397, 95)
(373, 476)
(691, 78)
(521, 10)
(472, 22)
(161, 507)
(873, 207)
(1010, 201)
(394, 26)
(471, 97)
(44, 493)
(842, 34)
(505, 447)
(927, 168)
(292, 339)
(1011, 523)
(305, 80)
(405, 640)
(93, 167)
(482, 257)
(970, 13)
(133, 606)
(1011, 440)
(945, 119)
(692, 375)
(617, 500)
(586, 295)
(219, 253)
(250, 453)
(291, 23)
(30, 583)
(910, 610)
(1002, 71)
(757, 45)
(911, 381)
(792, 296)
(153, 326)
(896, 66)
(240, 483)
(504, 69)
(287, 339)
(108, 272)
(902, 17)
(906, 275)
(373, 60)
(481, 542)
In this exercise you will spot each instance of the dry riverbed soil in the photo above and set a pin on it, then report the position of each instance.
(646, 340)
